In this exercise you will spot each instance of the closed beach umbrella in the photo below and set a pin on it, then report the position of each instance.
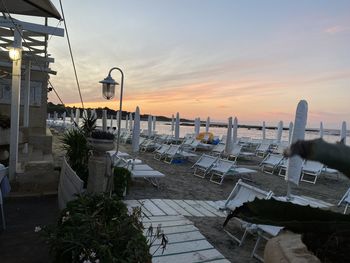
(234, 131)
(64, 119)
(172, 124)
(71, 116)
(229, 144)
(177, 127)
(321, 129)
(154, 123)
(77, 117)
(136, 132)
(130, 121)
(149, 125)
(126, 121)
(48, 116)
(263, 131)
(197, 125)
(279, 131)
(104, 120)
(207, 125)
(111, 122)
(290, 132)
(295, 162)
(343, 133)
(54, 116)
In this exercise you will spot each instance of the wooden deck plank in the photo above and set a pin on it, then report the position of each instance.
(165, 207)
(176, 207)
(189, 257)
(211, 209)
(150, 206)
(200, 208)
(162, 218)
(181, 237)
(135, 203)
(169, 223)
(188, 208)
(176, 229)
(182, 247)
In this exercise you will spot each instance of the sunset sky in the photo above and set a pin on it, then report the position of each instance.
(250, 59)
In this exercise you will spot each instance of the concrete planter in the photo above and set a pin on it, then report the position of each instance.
(100, 146)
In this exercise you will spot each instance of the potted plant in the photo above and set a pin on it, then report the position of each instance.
(121, 180)
(101, 141)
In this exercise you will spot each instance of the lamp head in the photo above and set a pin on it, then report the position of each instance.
(108, 87)
(15, 53)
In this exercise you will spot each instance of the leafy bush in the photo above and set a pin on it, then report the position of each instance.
(97, 228)
(122, 179)
(102, 135)
(77, 152)
(89, 124)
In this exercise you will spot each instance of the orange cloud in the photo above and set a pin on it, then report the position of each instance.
(335, 29)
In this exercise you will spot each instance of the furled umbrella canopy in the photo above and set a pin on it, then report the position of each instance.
(64, 119)
(343, 133)
(104, 120)
(149, 126)
(126, 122)
(177, 127)
(321, 129)
(71, 116)
(207, 125)
(290, 130)
(235, 131)
(197, 125)
(263, 129)
(136, 132)
(77, 117)
(295, 162)
(154, 123)
(130, 121)
(279, 131)
(111, 122)
(172, 124)
(229, 144)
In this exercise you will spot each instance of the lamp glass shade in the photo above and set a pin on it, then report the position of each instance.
(108, 90)
(14, 53)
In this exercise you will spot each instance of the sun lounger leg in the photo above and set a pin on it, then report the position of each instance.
(254, 254)
(346, 208)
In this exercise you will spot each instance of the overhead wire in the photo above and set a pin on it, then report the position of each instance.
(71, 54)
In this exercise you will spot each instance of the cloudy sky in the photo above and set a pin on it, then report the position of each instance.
(218, 58)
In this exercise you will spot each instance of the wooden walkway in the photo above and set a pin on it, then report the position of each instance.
(185, 242)
(171, 207)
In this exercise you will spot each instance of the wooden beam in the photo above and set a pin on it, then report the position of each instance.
(49, 30)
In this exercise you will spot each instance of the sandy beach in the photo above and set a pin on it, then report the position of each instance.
(180, 183)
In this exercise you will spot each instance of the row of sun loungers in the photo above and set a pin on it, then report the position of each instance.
(311, 170)
(217, 169)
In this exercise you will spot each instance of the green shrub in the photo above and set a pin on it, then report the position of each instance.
(122, 179)
(97, 228)
(77, 152)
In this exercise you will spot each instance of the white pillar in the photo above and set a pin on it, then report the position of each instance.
(15, 104)
(26, 100)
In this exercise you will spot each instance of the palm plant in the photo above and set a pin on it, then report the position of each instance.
(77, 152)
(89, 124)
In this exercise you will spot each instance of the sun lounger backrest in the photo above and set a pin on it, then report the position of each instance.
(273, 159)
(219, 148)
(242, 193)
(224, 166)
(236, 149)
(312, 166)
(173, 149)
(164, 148)
(206, 161)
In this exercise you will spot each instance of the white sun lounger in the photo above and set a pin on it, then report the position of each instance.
(204, 163)
(241, 194)
(218, 149)
(262, 149)
(220, 170)
(270, 163)
(311, 169)
(171, 153)
(159, 153)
